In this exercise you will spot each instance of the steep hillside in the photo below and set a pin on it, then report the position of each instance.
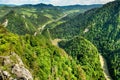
(86, 54)
(26, 19)
(104, 33)
(102, 27)
(84, 21)
(36, 57)
(17, 23)
(11, 65)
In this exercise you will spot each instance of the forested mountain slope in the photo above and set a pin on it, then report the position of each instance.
(42, 59)
(45, 61)
(28, 18)
(86, 54)
(102, 27)
(17, 23)
(104, 33)
(24, 20)
(86, 20)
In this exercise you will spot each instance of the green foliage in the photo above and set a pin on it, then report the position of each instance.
(43, 59)
(86, 54)
(72, 27)
(105, 35)
(103, 25)
(48, 61)
(26, 19)
(18, 24)
(6, 42)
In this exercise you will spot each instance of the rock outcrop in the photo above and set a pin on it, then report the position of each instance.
(21, 72)
(13, 69)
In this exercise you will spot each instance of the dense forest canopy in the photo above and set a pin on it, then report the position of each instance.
(101, 27)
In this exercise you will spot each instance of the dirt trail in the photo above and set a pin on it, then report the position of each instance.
(40, 29)
(104, 67)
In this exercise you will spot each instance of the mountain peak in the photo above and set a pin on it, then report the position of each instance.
(38, 5)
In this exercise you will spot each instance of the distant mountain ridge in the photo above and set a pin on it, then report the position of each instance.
(51, 5)
(82, 6)
(37, 5)
(10, 5)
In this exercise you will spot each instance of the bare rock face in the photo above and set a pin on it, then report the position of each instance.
(4, 75)
(18, 59)
(21, 72)
(6, 60)
(13, 65)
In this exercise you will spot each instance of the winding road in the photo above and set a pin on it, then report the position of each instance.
(41, 28)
